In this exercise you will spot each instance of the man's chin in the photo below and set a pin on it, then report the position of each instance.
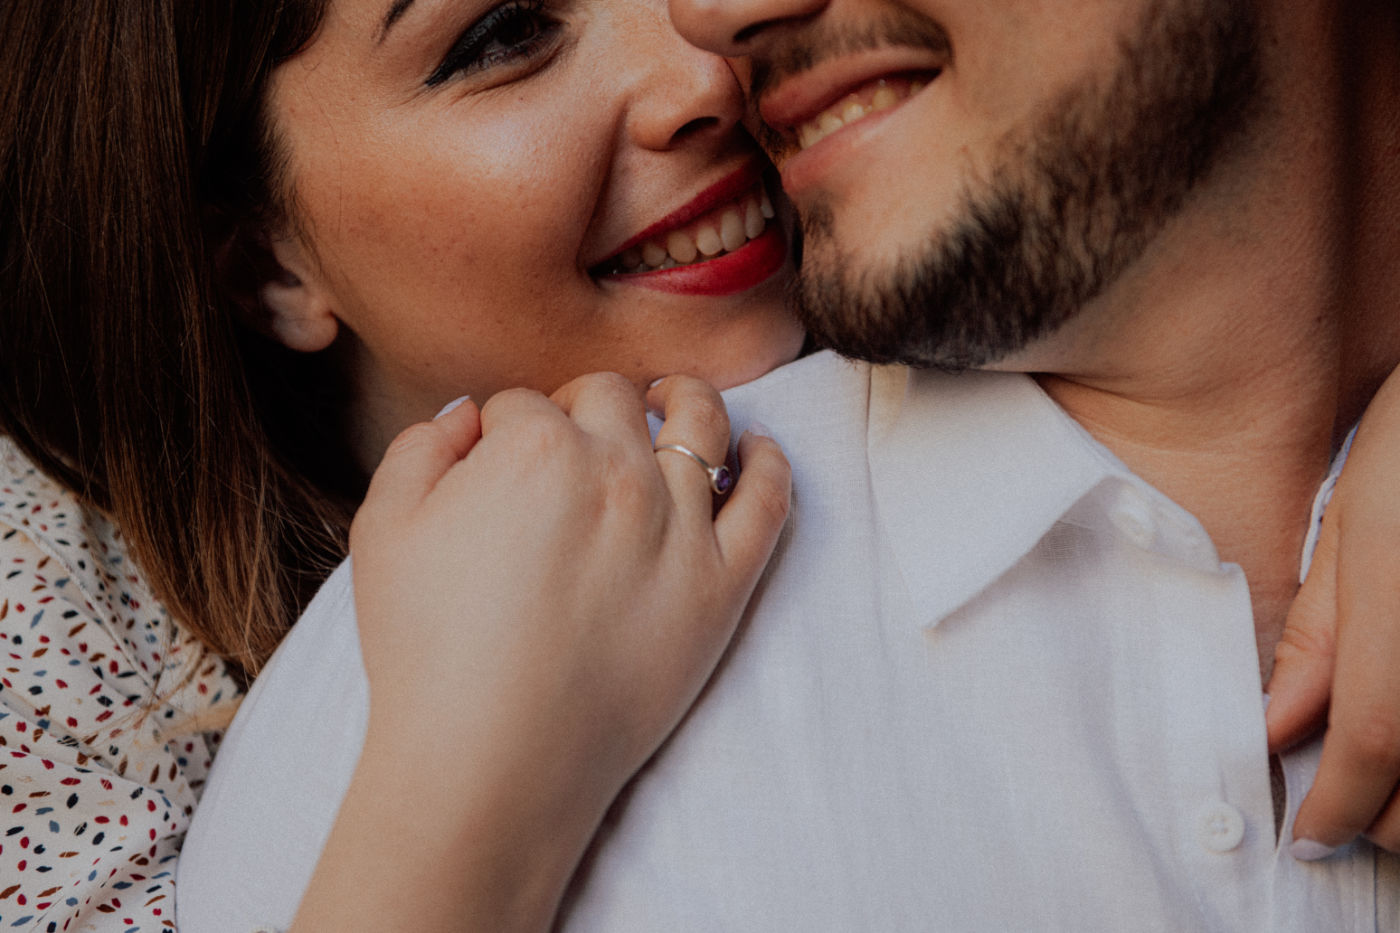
(915, 310)
(1074, 201)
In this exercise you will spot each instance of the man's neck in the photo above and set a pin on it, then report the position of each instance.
(1247, 464)
(1225, 367)
(1230, 413)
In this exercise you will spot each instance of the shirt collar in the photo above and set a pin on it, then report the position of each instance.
(969, 472)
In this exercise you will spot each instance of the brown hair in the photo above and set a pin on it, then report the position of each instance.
(134, 160)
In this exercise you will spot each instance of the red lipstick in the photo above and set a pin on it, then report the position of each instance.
(726, 189)
(724, 240)
(750, 265)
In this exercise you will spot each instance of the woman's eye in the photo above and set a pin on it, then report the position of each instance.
(512, 33)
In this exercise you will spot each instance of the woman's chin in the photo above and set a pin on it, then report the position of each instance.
(736, 367)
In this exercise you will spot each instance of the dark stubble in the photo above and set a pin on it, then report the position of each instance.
(1076, 201)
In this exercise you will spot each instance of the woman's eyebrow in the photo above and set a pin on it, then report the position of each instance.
(396, 11)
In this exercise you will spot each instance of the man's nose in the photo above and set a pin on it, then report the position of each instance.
(736, 28)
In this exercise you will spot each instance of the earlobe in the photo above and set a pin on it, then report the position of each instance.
(297, 311)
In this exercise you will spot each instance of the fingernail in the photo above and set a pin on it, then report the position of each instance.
(758, 429)
(451, 406)
(1307, 850)
(654, 407)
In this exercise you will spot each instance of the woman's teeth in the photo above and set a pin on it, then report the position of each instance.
(721, 231)
(874, 97)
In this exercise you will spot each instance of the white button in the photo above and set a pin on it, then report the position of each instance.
(1133, 517)
(1219, 827)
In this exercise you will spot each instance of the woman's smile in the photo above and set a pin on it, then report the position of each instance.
(719, 243)
(515, 195)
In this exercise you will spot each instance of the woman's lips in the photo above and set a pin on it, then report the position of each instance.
(721, 229)
(729, 188)
(728, 246)
(733, 272)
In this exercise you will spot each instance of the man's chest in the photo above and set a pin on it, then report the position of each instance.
(1079, 747)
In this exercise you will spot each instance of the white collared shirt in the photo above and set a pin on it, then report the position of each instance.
(992, 681)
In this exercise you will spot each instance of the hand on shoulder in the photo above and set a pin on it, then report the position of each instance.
(541, 597)
(1338, 663)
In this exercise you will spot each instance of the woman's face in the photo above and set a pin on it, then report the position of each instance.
(475, 183)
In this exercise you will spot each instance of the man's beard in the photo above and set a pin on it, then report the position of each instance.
(1076, 201)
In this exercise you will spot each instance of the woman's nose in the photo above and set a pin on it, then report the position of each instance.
(735, 28)
(686, 93)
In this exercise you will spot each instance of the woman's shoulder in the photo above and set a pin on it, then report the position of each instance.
(67, 579)
(76, 539)
(108, 716)
(52, 517)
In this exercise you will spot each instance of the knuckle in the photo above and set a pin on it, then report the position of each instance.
(606, 385)
(691, 385)
(609, 382)
(1313, 640)
(412, 438)
(710, 419)
(538, 439)
(773, 500)
(779, 459)
(1372, 738)
(1386, 835)
(501, 403)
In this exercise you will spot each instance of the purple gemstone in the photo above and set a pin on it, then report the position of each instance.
(723, 480)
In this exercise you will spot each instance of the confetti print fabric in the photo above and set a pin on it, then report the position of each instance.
(108, 719)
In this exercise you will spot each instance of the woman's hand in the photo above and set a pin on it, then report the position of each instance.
(540, 598)
(1343, 638)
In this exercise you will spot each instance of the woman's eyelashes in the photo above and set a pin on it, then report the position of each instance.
(512, 34)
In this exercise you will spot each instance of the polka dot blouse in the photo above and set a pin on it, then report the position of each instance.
(107, 719)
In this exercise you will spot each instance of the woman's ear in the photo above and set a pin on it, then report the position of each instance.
(296, 308)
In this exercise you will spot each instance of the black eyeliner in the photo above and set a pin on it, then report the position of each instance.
(467, 50)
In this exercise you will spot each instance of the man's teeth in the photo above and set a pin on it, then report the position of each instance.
(719, 232)
(880, 96)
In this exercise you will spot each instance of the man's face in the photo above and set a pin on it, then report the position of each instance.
(970, 173)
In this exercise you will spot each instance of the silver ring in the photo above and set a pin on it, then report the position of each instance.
(721, 479)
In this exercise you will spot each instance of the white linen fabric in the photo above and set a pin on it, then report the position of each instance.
(992, 681)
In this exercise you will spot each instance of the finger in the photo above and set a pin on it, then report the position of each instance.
(1303, 660)
(696, 419)
(1385, 832)
(529, 438)
(420, 455)
(606, 405)
(513, 407)
(1361, 751)
(749, 523)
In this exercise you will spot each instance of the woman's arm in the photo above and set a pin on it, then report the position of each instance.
(97, 779)
(540, 599)
(1342, 645)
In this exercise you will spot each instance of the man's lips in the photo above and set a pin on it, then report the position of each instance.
(805, 108)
